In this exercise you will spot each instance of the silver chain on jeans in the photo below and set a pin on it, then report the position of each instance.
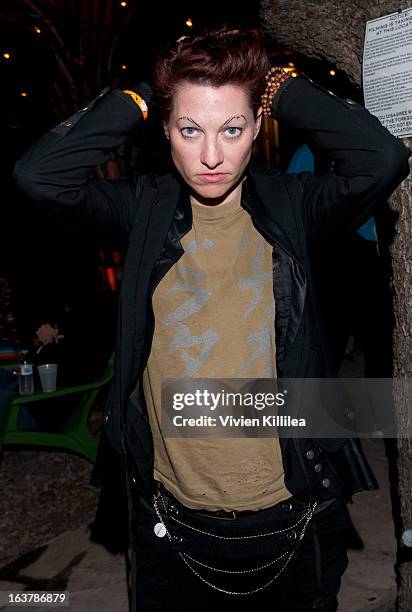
(185, 556)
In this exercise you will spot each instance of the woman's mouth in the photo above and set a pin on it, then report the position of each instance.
(214, 177)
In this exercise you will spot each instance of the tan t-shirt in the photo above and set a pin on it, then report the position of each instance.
(214, 317)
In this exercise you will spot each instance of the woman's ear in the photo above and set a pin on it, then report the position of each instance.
(258, 122)
(166, 130)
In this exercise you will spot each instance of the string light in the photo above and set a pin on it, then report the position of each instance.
(294, 74)
(6, 55)
(23, 94)
(123, 67)
(37, 30)
(189, 22)
(123, 4)
(332, 72)
(291, 64)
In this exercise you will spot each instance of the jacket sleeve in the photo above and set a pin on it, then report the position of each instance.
(57, 171)
(369, 161)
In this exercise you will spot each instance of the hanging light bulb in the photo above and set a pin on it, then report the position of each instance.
(189, 22)
(6, 55)
(23, 94)
(332, 72)
(123, 4)
(37, 30)
(123, 67)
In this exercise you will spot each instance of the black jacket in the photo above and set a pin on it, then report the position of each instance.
(148, 215)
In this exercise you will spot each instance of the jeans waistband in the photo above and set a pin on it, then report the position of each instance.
(287, 505)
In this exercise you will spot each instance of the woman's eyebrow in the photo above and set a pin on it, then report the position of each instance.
(226, 122)
(234, 117)
(189, 119)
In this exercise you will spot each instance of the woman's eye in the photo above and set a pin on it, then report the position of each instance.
(188, 132)
(233, 132)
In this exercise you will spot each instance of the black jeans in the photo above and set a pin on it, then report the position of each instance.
(163, 581)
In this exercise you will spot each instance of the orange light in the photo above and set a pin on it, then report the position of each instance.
(6, 55)
(291, 64)
(332, 72)
(123, 67)
(294, 74)
(111, 278)
(123, 4)
(24, 94)
(37, 30)
(189, 22)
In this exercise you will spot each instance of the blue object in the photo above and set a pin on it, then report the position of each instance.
(302, 160)
(368, 230)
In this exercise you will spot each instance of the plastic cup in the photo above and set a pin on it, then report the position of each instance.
(48, 376)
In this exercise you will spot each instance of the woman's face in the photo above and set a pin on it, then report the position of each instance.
(211, 132)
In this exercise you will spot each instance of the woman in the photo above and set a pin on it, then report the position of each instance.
(212, 250)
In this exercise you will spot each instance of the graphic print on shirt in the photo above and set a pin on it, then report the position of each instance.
(200, 294)
(257, 279)
(183, 338)
(263, 339)
(193, 349)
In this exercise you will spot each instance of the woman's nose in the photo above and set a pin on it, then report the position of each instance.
(211, 154)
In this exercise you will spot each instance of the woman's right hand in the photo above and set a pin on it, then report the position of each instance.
(46, 334)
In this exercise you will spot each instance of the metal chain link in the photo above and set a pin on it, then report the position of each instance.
(185, 556)
(247, 571)
(251, 592)
(259, 535)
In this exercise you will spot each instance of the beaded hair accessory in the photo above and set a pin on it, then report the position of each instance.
(274, 78)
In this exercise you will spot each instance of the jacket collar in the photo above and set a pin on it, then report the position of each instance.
(174, 196)
(260, 191)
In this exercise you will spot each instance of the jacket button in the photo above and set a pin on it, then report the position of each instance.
(287, 506)
(292, 535)
(350, 101)
(318, 467)
(310, 454)
(331, 93)
(325, 482)
(68, 123)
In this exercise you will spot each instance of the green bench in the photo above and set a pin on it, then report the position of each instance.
(75, 435)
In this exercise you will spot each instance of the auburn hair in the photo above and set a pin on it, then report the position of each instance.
(213, 56)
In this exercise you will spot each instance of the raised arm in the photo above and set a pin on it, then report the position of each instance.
(57, 170)
(370, 161)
